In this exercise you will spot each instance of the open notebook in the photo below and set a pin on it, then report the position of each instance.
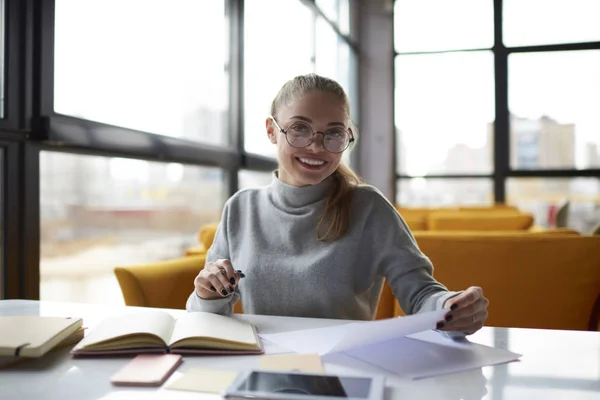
(34, 336)
(158, 332)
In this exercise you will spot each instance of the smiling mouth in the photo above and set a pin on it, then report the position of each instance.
(311, 163)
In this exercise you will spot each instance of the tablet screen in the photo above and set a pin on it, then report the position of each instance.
(291, 383)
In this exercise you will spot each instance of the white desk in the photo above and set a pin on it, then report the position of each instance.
(555, 364)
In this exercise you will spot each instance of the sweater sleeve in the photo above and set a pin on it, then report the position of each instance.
(218, 250)
(398, 258)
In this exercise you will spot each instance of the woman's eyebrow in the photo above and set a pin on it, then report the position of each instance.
(300, 117)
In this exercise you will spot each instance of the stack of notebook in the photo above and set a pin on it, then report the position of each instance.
(23, 337)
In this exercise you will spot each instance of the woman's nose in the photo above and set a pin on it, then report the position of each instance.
(317, 141)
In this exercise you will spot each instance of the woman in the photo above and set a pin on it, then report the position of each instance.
(316, 242)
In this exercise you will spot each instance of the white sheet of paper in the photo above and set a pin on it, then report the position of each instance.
(356, 334)
(430, 353)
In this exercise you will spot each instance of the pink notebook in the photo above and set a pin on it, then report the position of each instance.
(156, 331)
(146, 370)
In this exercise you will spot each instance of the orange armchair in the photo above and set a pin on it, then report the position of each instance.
(165, 284)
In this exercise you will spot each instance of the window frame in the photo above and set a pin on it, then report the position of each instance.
(501, 140)
(30, 125)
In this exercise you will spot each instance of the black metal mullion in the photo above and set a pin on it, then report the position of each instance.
(13, 58)
(236, 88)
(259, 163)
(88, 136)
(555, 173)
(29, 181)
(446, 176)
(418, 53)
(555, 47)
(11, 227)
(502, 121)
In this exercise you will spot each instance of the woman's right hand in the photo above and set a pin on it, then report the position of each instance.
(217, 280)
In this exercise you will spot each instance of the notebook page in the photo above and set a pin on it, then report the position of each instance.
(201, 324)
(158, 323)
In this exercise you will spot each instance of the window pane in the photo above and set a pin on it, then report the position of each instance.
(430, 25)
(2, 60)
(543, 196)
(444, 113)
(554, 102)
(535, 22)
(251, 179)
(334, 58)
(337, 11)
(423, 192)
(272, 58)
(100, 212)
(156, 66)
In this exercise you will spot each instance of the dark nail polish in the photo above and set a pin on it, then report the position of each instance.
(240, 273)
(454, 307)
(448, 318)
(224, 292)
(232, 280)
(213, 288)
(231, 290)
(439, 325)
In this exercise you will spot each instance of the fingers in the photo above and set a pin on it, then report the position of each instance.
(216, 280)
(230, 274)
(466, 298)
(467, 319)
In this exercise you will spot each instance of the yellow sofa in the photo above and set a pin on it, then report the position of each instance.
(479, 221)
(546, 279)
(533, 280)
(418, 219)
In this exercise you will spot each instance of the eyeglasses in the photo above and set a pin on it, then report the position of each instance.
(300, 134)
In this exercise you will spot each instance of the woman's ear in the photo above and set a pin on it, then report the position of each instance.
(271, 131)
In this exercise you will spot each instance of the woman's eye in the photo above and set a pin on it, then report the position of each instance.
(335, 133)
(300, 128)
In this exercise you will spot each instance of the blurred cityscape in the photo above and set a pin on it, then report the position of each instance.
(540, 143)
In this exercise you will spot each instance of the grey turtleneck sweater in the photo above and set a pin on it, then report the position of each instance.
(270, 234)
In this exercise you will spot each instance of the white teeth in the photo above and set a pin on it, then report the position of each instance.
(311, 161)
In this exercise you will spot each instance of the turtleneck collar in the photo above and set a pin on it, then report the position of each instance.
(288, 196)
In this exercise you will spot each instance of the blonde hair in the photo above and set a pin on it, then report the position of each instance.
(335, 221)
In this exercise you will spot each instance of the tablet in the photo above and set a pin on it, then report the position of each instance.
(303, 386)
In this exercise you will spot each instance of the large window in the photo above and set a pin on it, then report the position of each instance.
(101, 212)
(445, 113)
(154, 66)
(252, 179)
(437, 25)
(554, 103)
(302, 42)
(431, 192)
(540, 22)
(277, 48)
(444, 102)
(466, 103)
(337, 11)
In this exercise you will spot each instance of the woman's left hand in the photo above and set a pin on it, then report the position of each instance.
(468, 311)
